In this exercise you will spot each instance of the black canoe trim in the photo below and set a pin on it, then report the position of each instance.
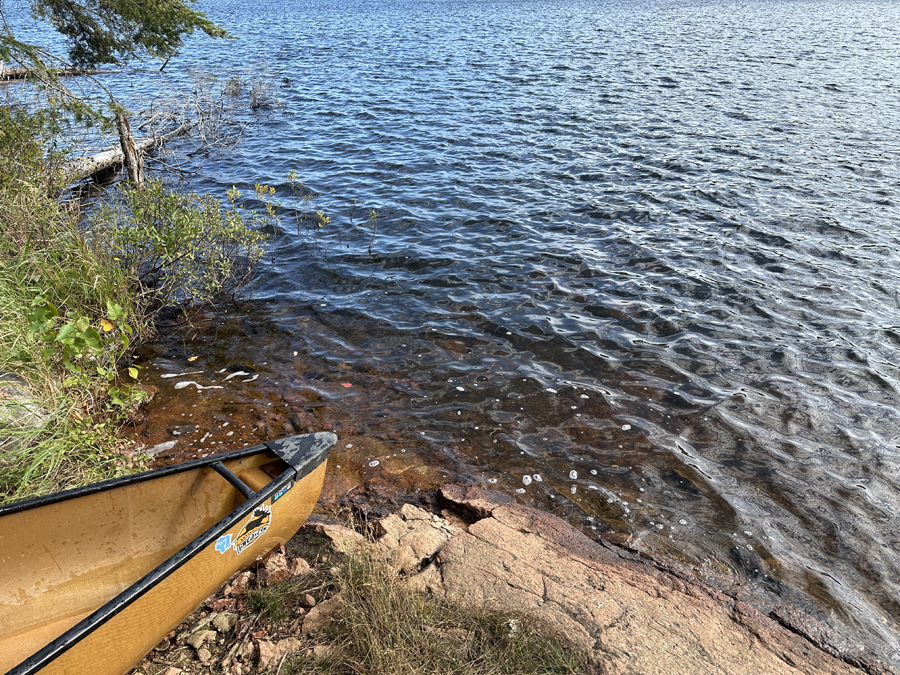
(83, 628)
(320, 441)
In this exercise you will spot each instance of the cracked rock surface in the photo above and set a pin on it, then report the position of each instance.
(626, 617)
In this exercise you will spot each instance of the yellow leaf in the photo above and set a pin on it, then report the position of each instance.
(193, 358)
(106, 324)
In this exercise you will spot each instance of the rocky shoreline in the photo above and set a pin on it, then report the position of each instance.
(622, 611)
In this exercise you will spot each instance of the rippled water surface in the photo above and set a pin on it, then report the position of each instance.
(637, 261)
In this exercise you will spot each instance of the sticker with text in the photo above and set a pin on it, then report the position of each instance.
(254, 528)
(278, 495)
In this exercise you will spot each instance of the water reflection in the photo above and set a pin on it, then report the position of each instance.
(737, 482)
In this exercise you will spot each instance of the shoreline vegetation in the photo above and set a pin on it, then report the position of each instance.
(80, 288)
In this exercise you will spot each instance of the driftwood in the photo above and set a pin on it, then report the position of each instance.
(112, 156)
(10, 74)
(108, 158)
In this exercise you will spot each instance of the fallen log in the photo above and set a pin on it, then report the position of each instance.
(108, 158)
(11, 74)
(113, 157)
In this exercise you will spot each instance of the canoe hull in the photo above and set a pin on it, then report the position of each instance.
(114, 595)
(144, 624)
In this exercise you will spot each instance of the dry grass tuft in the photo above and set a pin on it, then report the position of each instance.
(384, 628)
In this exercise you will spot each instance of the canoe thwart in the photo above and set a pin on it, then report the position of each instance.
(236, 482)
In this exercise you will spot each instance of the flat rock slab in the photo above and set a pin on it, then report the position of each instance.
(412, 536)
(624, 617)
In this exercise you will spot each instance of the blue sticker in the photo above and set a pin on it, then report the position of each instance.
(223, 543)
(278, 495)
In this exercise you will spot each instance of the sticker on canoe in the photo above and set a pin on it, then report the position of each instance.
(223, 543)
(254, 528)
(278, 495)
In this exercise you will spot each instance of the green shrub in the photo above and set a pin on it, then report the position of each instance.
(178, 249)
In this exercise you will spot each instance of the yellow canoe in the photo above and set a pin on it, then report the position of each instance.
(92, 579)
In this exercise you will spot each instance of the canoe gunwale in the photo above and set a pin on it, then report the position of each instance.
(294, 472)
(302, 469)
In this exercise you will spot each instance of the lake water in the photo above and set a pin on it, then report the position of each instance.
(636, 262)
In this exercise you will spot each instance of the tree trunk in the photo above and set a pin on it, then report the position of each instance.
(133, 159)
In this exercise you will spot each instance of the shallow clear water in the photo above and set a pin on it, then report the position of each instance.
(647, 251)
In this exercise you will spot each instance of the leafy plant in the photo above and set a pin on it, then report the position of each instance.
(180, 248)
(83, 350)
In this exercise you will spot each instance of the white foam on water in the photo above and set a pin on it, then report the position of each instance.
(186, 383)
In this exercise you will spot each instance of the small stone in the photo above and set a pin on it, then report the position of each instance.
(266, 654)
(275, 570)
(172, 670)
(223, 604)
(241, 583)
(325, 652)
(271, 653)
(308, 601)
(225, 622)
(321, 615)
(204, 654)
(299, 566)
(289, 646)
(200, 638)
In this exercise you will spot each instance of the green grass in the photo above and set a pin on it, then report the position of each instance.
(42, 254)
(272, 602)
(67, 454)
